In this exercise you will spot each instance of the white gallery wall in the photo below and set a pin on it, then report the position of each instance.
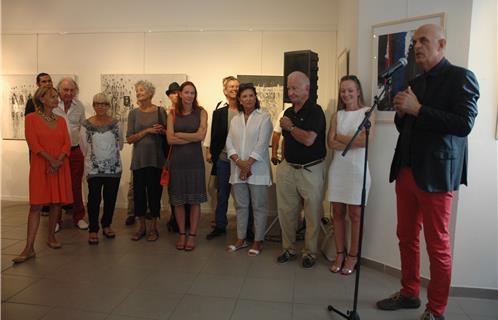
(471, 31)
(205, 40)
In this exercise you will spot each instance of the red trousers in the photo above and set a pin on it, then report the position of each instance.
(77, 163)
(433, 210)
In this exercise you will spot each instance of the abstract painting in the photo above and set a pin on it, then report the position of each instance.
(270, 90)
(17, 90)
(121, 89)
(392, 41)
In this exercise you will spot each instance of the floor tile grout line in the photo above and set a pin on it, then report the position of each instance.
(197, 275)
(48, 312)
(293, 291)
(245, 278)
(34, 282)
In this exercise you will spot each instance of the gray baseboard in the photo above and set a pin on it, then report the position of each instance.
(478, 293)
(474, 293)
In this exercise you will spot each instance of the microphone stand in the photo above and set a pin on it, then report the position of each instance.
(353, 314)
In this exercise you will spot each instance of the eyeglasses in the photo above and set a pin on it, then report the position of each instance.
(101, 104)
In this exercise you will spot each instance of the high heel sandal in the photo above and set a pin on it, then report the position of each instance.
(334, 268)
(138, 235)
(187, 246)
(153, 236)
(180, 244)
(349, 267)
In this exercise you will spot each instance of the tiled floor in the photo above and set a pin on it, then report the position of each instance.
(122, 279)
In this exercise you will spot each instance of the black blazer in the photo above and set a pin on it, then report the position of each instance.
(30, 107)
(438, 140)
(219, 133)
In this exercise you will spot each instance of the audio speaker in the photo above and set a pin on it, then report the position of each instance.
(305, 61)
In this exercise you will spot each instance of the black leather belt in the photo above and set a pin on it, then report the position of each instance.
(306, 165)
(74, 147)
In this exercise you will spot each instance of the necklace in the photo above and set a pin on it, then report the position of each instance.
(49, 118)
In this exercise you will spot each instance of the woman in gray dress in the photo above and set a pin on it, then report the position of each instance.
(187, 126)
(145, 132)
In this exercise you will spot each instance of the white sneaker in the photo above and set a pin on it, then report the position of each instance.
(57, 227)
(82, 225)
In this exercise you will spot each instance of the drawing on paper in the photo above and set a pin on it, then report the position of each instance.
(270, 90)
(121, 90)
(17, 90)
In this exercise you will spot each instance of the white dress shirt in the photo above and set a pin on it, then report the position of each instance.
(251, 139)
(74, 118)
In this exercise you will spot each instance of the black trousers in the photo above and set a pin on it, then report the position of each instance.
(147, 190)
(98, 186)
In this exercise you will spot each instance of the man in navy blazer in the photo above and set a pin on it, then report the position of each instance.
(216, 153)
(433, 116)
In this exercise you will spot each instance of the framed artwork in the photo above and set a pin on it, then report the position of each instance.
(121, 90)
(17, 90)
(392, 41)
(342, 67)
(270, 90)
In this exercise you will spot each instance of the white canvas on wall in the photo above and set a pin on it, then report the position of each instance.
(270, 91)
(17, 90)
(121, 89)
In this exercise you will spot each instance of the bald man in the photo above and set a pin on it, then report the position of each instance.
(301, 176)
(434, 115)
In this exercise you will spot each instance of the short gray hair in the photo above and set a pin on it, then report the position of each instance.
(300, 76)
(69, 79)
(226, 80)
(148, 86)
(101, 97)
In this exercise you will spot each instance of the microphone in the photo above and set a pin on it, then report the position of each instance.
(392, 69)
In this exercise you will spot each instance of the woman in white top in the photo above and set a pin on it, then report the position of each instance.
(247, 147)
(101, 141)
(346, 173)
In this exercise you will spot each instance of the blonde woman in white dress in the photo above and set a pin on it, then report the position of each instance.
(346, 173)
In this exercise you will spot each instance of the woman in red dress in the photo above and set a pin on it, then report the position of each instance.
(49, 174)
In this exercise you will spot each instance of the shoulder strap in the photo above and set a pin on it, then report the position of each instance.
(159, 117)
(172, 112)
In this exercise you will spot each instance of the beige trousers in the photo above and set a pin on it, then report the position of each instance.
(299, 189)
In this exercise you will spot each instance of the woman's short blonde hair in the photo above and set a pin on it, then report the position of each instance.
(40, 93)
(101, 97)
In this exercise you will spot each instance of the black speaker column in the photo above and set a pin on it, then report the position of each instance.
(305, 61)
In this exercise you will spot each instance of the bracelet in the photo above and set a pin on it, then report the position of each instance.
(292, 128)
